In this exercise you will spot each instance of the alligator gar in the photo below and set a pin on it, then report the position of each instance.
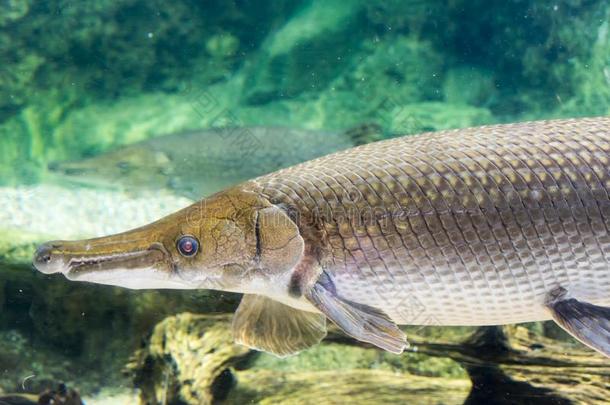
(198, 163)
(481, 226)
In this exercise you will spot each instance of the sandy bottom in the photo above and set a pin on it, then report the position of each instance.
(64, 213)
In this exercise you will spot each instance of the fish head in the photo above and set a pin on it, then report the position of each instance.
(134, 165)
(232, 241)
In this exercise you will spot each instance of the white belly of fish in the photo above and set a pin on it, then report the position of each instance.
(457, 296)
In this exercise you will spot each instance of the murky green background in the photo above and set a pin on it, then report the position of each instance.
(81, 78)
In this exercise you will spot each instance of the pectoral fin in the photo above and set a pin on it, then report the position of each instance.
(586, 322)
(270, 326)
(360, 321)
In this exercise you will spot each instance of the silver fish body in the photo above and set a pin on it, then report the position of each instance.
(203, 162)
(463, 227)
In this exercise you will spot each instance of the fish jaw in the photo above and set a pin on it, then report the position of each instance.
(99, 261)
(82, 173)
(136, 166)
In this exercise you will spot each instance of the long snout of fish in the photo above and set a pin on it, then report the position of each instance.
(78, 259)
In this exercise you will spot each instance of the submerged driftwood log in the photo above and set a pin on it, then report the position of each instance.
(513, 364)
(187, 360)
(344, 386)
(191, 359)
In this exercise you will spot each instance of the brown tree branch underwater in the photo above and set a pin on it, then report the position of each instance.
(505, 365)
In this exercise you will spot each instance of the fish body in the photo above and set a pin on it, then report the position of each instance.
(202, 162)
(463, 227)
(481, 226)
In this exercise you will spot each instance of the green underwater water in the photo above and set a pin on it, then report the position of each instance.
(81, 78)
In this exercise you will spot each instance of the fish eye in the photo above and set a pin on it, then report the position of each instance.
(187, 246)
